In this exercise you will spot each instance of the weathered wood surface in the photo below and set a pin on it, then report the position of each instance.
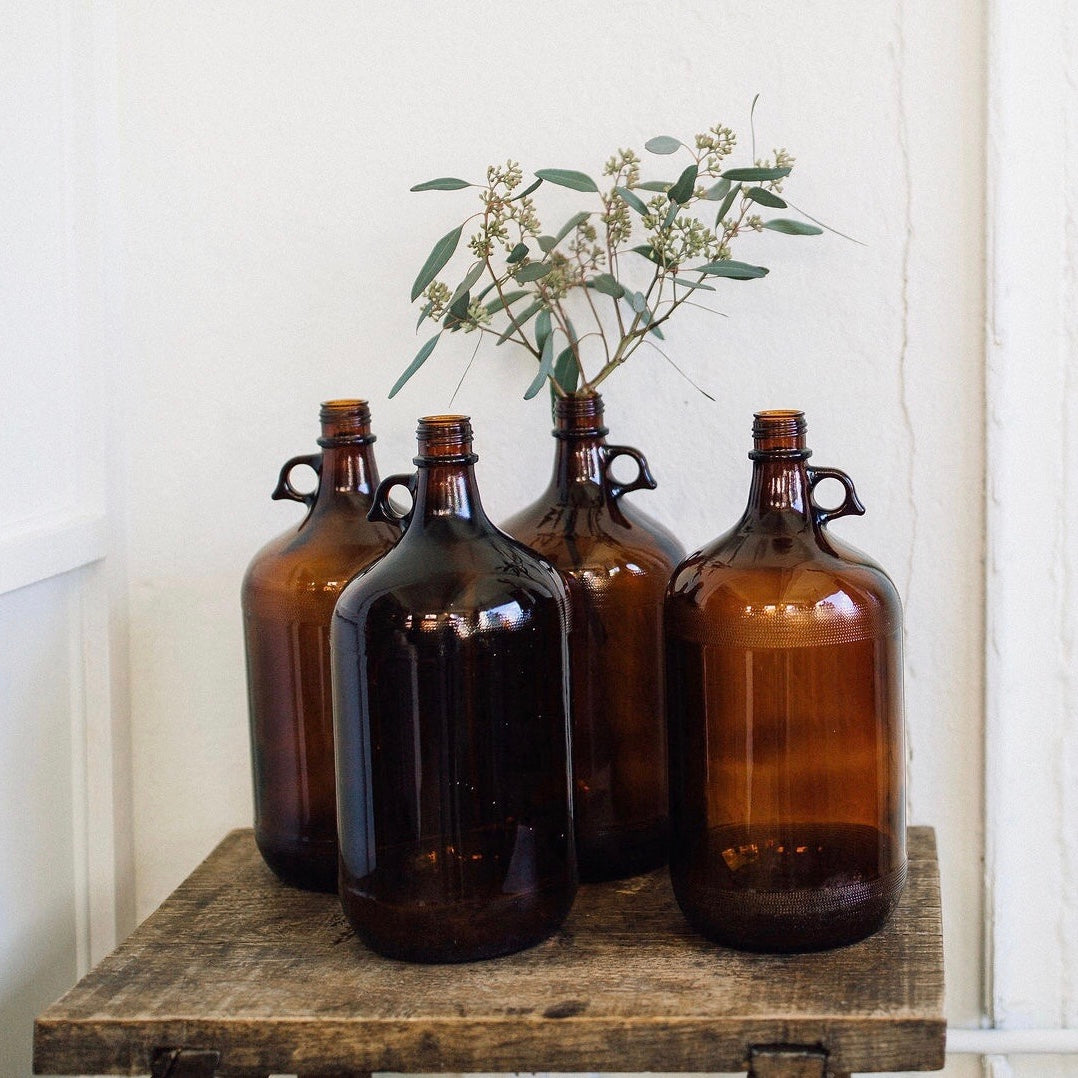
(274, 980)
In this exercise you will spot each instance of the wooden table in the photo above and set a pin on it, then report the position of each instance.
(237, 974)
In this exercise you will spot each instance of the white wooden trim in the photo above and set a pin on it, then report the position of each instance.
(1030, 555)
(44, 547)
(1008, 1042)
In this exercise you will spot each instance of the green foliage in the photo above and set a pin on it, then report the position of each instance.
(591, 265)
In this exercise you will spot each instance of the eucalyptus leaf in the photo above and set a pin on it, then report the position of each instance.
(662, 186)
(533, 271)
(574, 222)
(420, 359)
(527, 190)
(443, 183)
(608, 285)
(436, 260)
(727, 202)
(682, 191)
(563, 177)
(426, 311)
(755, 175)
(792, 228)
(470, 278)
(765, 198)
(671, 215)
(635, 201)
(546, 369)
(649, 253)
(566, 371)
(684, 282)
(717, 191)
(546, 244)
(663, 144)
(636, 300)
(738, 271)
(647, 318)
(517, 253)
(498, 303)
(458, 311)
(542, 328)
(519, 321)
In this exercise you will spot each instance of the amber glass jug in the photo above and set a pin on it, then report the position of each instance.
(784, 651)
(616, 563)
(288, 596)
(450, 675)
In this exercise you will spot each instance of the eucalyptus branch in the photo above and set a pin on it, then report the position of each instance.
(533, 276)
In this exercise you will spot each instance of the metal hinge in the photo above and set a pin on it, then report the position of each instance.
(787, 1061)
(185, 1063)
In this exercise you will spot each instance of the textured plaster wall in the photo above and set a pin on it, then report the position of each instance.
(270, 241)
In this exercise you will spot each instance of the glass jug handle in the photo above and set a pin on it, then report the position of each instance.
(382, 511)
(643, 481)
(284, 491)
(851, 504)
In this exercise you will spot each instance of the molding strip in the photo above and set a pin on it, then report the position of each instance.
(47, 546)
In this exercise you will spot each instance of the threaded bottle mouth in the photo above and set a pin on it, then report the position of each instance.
(579, 415)
(445, 439)
(779, 432)
(345, 421)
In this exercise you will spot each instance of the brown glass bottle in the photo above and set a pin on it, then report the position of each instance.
(784, 675)
(288, 596)
(450, 675)
(616, 563)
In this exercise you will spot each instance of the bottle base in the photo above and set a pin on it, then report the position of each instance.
(799, 888)
(616, 853)
(457, 932)
(310, 866)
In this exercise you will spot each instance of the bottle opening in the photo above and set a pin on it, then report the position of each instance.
(345, 421)
(779, 432)
(445, 438)
(579, 415)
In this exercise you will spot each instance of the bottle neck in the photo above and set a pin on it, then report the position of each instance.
(580, 438)
(779, 485)
(348, 466)
(780, 482)
(448, 491)
(445, 481)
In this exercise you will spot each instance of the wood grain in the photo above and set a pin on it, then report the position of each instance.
(274, 979)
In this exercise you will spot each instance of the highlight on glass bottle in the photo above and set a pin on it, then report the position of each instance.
(784, 667)
(288, 596)
(450, 674)
(616, 563)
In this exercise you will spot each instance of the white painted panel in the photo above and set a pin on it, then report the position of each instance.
(1041, 1067)
(38, 886)
(1032, 856)
(43, 434)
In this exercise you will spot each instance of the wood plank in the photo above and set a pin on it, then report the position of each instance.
(274, 979)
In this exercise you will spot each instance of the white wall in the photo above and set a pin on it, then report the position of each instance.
(221, 212)
(65, 857)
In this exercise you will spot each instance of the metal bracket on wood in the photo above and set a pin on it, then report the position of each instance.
(788, 1061)
(185, 1063)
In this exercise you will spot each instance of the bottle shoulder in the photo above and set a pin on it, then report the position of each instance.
(453, 570)
(584, 537)
(751, 579)
(324, 550)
